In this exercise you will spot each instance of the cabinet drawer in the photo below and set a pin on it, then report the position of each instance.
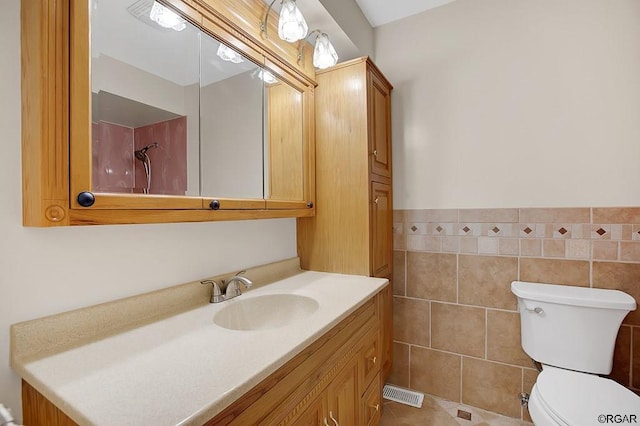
(371, 408)
(370, 359)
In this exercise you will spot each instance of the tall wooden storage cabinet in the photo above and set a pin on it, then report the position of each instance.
(351, 232)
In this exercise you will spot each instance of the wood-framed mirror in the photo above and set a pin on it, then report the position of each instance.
(122, 134)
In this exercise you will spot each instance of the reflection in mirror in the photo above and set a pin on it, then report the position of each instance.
(145, 80)
(231, 114)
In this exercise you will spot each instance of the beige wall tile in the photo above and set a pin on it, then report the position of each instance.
(600, 232)
(488, 215)
(468, 245)
(555, 271)
(486, 281)
(503, 338)
(529, 377)
(630, 251)
(560, 215)
(399, 258)
(432, 276)
(433, 244)
(431, 215)
(578, 249)
(494, 387)
(399, 374)
(629, 215)
(621, 371)
(436, 373)
(620, 276)
(411, 321)
(399, 242)
(450, 244)
(605, 250)
(459, 329)
(635, 366)
(530, 247)
(508, 246)
(399, 215)
(553, 248)
(416, 242)
(488, 245)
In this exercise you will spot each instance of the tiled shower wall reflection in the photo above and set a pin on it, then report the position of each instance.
(116, 169)
(456, 328)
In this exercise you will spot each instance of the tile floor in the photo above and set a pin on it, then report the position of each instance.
(440, 412)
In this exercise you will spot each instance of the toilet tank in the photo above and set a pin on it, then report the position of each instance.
(571, 327)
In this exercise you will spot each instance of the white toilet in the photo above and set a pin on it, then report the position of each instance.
(572, 331)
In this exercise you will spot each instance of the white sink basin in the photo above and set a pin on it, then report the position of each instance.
(264, 312)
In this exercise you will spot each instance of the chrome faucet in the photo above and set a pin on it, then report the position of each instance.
(233, 286)
(216, 293)
(229, 289)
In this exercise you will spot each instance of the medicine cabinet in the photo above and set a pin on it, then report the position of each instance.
(128, 121)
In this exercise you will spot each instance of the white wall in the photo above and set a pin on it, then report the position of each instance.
(45, 271)
(515, 103)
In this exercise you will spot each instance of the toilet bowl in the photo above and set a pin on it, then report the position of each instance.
(565, 397)
(572, 331)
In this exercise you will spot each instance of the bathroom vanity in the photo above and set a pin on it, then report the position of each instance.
(169, 357)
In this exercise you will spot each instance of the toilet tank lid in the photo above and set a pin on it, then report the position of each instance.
(576, 296)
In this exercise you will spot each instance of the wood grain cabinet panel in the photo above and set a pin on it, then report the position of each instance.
(351, 232)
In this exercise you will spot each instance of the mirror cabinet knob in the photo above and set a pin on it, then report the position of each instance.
(310, 204)
(86, 199)
(215, 204)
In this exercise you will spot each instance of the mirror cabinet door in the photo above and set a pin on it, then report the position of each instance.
(144, 101)
(231, 123)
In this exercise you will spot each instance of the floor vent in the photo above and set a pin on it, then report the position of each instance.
(403, 396)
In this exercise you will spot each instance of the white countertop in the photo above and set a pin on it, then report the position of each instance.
(185, 369)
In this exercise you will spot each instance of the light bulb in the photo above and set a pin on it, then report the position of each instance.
(228, 54)
(166, 18)
(324, 54)
(267, 77)
(291, 26)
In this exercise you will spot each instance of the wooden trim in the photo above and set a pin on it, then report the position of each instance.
(45, 108)
(120, 217)
(280, 204)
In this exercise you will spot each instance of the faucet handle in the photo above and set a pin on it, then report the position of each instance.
(216, 293)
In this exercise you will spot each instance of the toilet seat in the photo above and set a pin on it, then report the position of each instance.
(573, 398)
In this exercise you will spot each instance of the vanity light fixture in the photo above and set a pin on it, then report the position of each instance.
(166, 17)
(228, 54)
(291, 25)
(324, 54)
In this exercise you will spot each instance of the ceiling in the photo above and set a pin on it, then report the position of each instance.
(380, 12)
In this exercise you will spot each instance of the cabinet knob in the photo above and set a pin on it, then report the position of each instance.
(373, 360)
(332, 419)
(375, 152)
(376, 407)
(376, 200)
(86, 199)
(215, 204)
(310, 204)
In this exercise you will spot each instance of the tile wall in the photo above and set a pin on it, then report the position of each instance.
(456, 328)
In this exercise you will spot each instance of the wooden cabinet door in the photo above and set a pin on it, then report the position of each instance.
(381, 230)
(344, 396)
(314, 415)
(371, 409)
(379, 111)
